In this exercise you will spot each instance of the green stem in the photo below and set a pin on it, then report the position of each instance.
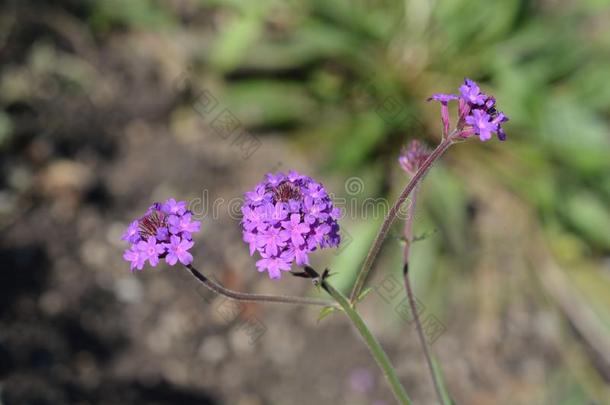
(375, 348)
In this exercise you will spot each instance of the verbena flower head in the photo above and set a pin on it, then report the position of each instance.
(165, 231)
(286, 217)
(477, 113)
(413, 156)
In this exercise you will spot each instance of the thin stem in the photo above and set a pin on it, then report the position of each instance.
(420, 333)
(391, 217)
(375, 348)
(408, 236)
(240, 296)
(408, 230)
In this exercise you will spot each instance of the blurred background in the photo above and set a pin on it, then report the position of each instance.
(108, 105)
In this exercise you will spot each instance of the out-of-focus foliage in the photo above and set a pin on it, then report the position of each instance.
(358, 73)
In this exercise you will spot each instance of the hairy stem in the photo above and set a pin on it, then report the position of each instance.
(375, 348)
(391, 217)
(420, 333)
(240, 296)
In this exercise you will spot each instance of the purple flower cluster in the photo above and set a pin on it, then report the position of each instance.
(413, 156)
(285, 218)
(165, 231)
(477, 113)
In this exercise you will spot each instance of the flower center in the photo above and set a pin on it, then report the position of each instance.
(286, 191)
(151, 223)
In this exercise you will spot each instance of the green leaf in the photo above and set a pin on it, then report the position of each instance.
(326, 311)
(363, 294)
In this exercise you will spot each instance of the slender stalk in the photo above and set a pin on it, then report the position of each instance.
(408, 236)
(375, 348)
(391, 217)
(408, 230)
(240, 296)
(420, 333)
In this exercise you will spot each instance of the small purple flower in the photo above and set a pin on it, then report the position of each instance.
(162, 234)
(135, 257)
(285, 218)
(258, 195)
(293, 176)
(274, 266)
(148, 235)
(300, 254)
(320, 234)
(275, 212)
(182, 225)
(254, 217)
(151, 250)
(172, 206)
(477, 114)
(275, 179)
(471, 92)
(251, 239)
(132, 234)
(443, 98)
(315, 210)
(413, 157)
(480, 121)
(294, 229)
(272, 239)
(178, 251)
(315, 191)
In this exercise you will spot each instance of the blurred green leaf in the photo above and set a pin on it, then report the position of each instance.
(445, 199)
(585, 212)
(576, 135)
(314, 41)
(269, 103)
(133, 13)
(235, 39)
(355, 138)
(348, 260)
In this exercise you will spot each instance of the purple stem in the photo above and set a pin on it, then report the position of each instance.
(240, 296)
